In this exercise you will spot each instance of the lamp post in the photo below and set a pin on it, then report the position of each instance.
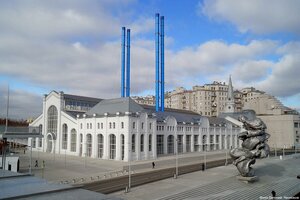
(205, 148)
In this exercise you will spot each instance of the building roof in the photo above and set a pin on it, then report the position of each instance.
(82, 98)
(112, 106)
(179, 115)
(122, 105)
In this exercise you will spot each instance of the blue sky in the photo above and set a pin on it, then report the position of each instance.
(74, 46)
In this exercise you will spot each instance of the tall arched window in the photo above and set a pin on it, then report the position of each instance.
(142, 143)
(88, 145)
(41, 132)
(122, 146)
(64, 136)
(204, 142)
(150, 142)
(80, 147)
(133, 143)
(112, 146)
(52, 120)
(73, 140)
(170, 144)
(100, 145)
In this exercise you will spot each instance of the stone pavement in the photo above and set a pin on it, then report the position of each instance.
(221, 183)
(61, 168)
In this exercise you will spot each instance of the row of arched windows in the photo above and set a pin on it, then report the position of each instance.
(142, 146)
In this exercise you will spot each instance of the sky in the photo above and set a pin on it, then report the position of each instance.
(74, 46)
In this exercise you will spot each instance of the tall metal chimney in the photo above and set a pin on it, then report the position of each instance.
(157, 82)
(162, 60)
(123, 63)
(128, 65)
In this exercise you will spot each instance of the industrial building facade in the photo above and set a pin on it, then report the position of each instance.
(120, 129)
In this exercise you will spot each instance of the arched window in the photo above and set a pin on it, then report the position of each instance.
(150, 142)
(33, 142)
(52, 120)
(64, 136)
(142, 143)
(112, 146)
(122, 146)
(180, 143)
(73, 140)
(170, 144)
(88, 145)
(80, 147)
(133, 143)
(100, 145)
(204, 142)
(41, 132)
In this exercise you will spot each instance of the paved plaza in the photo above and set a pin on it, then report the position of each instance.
(61, 168)
(215, 183)
(221, 183)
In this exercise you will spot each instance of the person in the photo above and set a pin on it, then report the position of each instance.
(153, 165)
(36, 163)
(273, 193)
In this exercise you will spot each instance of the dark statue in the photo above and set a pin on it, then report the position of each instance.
(254, 145)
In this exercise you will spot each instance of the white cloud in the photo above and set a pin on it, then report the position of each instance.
(21, 104)
(258, 16)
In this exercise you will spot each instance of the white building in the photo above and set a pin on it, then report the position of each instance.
(110, 129)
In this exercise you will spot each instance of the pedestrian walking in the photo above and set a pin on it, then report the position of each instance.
(153, 165)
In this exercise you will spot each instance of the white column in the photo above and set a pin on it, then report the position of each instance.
(192, 140)
(184, 139)
(138, 139)
(154, 140)
(118, 147)
(165, 143)
(106, 139)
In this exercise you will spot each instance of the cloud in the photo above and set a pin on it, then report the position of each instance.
(252, 71)
(284, 80)
(257, 16)
(21, 104)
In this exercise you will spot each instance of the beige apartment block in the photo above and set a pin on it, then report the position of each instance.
(284, 130)
(207, 100)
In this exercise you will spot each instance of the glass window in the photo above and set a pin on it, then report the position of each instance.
(64, 136)
(122, 146)
(160, 144)
(114, 125)
(170, 144)
(88, 145)
(52, 120)
(122, 125)
(150, 142)
(142, 143)
(110, 125)
(112, 144)
(150, 126)
(73, 140)
(142, 125)
(133, 125)
(101, 125)
(98, 125)
(100, 145)
(133, 143)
